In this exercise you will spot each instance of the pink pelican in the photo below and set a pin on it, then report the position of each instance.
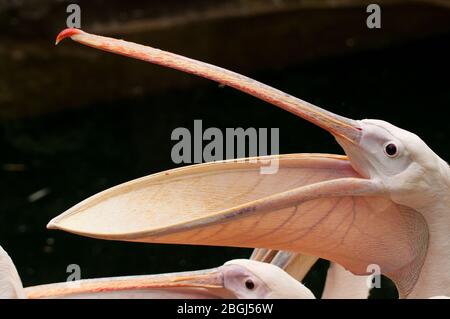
(386, 202)
(339, 283)
(239, 278)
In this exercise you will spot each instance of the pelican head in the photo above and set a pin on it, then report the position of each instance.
(250, 279)
(399, 161)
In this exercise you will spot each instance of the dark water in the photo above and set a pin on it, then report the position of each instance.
(74, 154)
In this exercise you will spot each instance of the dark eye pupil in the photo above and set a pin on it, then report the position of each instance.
(391, 149)
(249, 284)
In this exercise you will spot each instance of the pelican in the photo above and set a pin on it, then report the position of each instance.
(296, 265)
(339, 283)
(10, 283)
(239, 278)
(342, 284)
(385, 203)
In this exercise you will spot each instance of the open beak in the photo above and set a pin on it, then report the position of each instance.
(335, 124)
(316, 204)
(196, 284)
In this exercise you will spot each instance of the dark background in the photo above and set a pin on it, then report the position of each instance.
(74, 121)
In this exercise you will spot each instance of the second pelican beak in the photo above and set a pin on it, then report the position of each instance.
(196, 284)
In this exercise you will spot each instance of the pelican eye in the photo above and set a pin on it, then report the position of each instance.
(390, 149)
(249, 284)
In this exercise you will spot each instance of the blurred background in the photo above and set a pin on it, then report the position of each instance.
(75, 121)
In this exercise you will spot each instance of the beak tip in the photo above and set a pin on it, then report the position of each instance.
(53, 224)
(66, 33)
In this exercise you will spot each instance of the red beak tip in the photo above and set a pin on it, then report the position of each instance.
(67, 33)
